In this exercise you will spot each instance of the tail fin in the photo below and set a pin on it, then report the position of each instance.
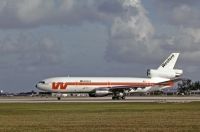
(169, 63)
(166, 69)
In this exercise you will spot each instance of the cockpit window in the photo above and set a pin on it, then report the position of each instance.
(43, 82)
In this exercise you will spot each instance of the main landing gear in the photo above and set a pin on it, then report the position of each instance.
(119, 96)
(59, 95)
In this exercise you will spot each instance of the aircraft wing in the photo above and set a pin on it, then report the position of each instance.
(127, 87)
(135, 86)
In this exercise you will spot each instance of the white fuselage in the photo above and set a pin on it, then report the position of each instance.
(88, 84)
(162, 77)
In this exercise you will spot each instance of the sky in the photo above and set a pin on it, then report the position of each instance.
(49, 38)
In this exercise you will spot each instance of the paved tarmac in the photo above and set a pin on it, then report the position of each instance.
(160, 99)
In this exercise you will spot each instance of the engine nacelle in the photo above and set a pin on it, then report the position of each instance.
(100, 92)
(164, 74)
(178, 72)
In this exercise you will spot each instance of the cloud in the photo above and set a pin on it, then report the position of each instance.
(35, 13)
(28, 13)
(23, 50)
(181, 32)
(129, 27)
(38, 34)
(134, 38)
(179, 13)
(183, 17)
(187, 42)
(132, 35)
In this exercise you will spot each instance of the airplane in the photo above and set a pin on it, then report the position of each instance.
(164, 76)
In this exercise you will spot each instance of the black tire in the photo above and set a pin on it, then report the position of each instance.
(123, 97)
(114, 98)
(118, 98)
(59, 98)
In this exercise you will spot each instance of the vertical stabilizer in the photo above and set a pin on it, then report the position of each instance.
(166, 69)
(170, 62)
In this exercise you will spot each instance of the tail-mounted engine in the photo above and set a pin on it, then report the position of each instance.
(164, 73)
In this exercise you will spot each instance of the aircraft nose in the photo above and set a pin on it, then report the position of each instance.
(39, 84)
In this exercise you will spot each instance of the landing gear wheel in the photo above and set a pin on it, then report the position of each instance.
(123, 97)
(59, 95)
(119, 96)
(114, 98)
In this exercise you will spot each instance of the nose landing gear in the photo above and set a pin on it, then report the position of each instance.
(59, 95)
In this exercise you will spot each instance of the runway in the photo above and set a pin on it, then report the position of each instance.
(160, 99)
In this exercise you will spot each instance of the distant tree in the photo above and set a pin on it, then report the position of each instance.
(195, 85)
(184, 86)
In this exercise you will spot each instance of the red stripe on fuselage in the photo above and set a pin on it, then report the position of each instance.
(63, 85)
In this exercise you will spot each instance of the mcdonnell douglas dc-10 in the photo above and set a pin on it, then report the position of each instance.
(163, 77)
